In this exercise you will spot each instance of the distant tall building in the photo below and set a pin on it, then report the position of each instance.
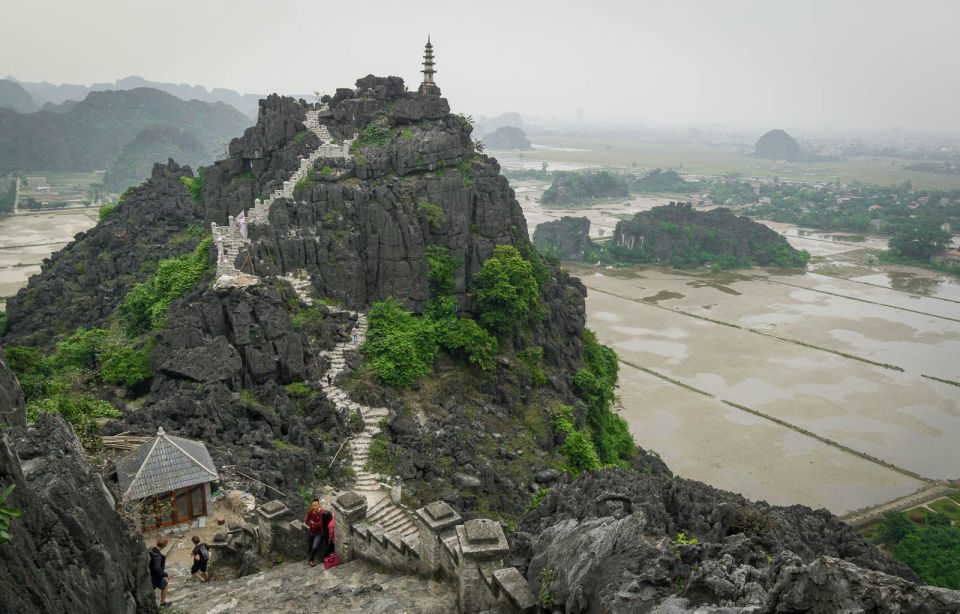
(428, 86)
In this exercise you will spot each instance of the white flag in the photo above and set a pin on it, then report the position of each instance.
(241, 221)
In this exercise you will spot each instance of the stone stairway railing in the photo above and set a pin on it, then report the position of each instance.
(231, 237)
(383, 510)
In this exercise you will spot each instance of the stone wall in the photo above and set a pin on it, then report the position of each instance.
(469, 554)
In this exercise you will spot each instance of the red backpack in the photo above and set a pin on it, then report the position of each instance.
(331, 561)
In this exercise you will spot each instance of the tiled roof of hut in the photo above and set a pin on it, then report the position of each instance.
(163, 464)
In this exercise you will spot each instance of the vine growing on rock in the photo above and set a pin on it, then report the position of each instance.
(595, 383)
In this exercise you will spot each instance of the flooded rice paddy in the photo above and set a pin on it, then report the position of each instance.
(27, 238)
(834, 388)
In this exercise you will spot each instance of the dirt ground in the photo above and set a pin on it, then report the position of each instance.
(178, 551)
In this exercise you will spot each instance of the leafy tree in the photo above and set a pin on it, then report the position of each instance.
(507, 292)
(4, 323)
(919, 239)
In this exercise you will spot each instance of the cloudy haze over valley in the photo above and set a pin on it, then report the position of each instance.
(809, 65)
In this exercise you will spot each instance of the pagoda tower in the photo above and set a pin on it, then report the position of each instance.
(428, 86)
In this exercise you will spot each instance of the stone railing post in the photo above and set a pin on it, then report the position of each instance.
(349, 509)
(481, 548)
(435, 522)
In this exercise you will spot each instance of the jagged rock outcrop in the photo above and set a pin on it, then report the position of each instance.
(507, 138)
(610, 541)
(83, 283)
(679, 235)
(70, 550)
(567, 238)
(222, 362)
(777, 145)
(12, 412)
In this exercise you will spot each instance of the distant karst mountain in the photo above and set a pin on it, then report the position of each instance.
(45, 92)
(507, 137)
(777, 145)
(486, 125)
(14, 97)
(151, 145)
(93, 133)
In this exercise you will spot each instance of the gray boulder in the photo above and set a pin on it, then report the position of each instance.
(70, 550)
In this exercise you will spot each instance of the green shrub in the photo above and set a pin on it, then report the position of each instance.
(579, 453)
(440, 269)
(146, 304)
(464, 337)
(300, 136)
(537, 499)
(406, 135)
(80, 410)
(104, 212)
(531, 358)
(122, 365)
(298, 389)
(375, 134)
(432, 213)
(304, 184)
(4, 323)
(379, 458)
(507, 292)
(195, 186)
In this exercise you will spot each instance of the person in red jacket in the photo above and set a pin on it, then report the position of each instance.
(315, 525)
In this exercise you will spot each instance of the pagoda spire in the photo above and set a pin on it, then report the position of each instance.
(428, 86)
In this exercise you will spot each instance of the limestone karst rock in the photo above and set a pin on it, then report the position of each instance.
(70, 551)
(507, 138)
(567, 238)
(12, 411)
(777, 145)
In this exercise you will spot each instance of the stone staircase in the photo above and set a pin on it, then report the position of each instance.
(230, 238)
(382, 509)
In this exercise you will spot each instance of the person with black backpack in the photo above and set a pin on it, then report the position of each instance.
(201, 555)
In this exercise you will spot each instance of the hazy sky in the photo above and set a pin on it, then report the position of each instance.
(765, 63)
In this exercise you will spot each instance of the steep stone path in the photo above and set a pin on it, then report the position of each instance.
(380, 508)
(297, 588)
(231, 238)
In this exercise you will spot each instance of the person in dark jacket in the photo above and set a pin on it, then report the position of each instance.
(201, 555)
(158, 563)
